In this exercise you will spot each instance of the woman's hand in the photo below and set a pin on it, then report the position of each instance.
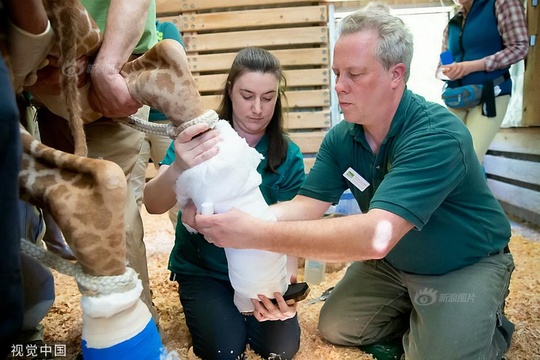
(458, 70)
(195, 145)
(266, 310)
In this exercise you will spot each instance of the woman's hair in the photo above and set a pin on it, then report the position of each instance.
(395, 39)
(254, 59)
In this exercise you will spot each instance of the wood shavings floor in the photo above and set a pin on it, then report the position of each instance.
(63, 324)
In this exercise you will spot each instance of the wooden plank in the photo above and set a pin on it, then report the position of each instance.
(263, 38)
(289, 57)
(178, 6)
(175, 19)
(308, 163)
(295, 78)
(524, 171)
(308, 77)
(520, 198)
(308, 119)
(517, 140)
(295, 99)
(531, 85)
(308, 98)
(243, 19)
(309, 142)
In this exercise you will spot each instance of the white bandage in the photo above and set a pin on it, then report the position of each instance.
(102, 333)
(230, 180)
(105, 306)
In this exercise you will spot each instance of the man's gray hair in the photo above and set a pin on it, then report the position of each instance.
(395, 39)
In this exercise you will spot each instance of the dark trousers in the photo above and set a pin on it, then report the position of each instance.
(220, 331)
(11, 301)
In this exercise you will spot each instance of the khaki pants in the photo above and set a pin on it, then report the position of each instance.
(483, 129)
(120, 144)
(446, 317)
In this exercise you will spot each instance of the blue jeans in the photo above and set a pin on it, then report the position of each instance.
(11, 302)
(220, 331)
(457, 315)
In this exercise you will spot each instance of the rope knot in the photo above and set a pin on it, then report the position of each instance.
(209, 117)
(90, 285)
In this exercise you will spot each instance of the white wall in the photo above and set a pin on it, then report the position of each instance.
(427, 26)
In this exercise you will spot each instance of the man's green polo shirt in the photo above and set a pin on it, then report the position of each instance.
(98, 9)
(427, 172)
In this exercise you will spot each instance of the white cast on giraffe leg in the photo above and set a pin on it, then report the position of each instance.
(230, 180)
(119, 326)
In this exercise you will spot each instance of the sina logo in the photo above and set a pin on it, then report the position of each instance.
(425, 297)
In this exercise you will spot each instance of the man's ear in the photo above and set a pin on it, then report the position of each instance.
(398, 72)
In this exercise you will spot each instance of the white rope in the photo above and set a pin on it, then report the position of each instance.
(143, 125)
(89, 285)
(210, 117)
(171, 130)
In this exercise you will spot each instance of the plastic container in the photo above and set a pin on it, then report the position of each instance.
(314, 271)
(347, 204)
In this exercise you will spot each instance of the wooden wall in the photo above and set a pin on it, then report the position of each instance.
(295, 31)
(512, 166)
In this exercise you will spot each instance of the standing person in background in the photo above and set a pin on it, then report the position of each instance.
(155, 146)
(485, 37)
(129, 30)
(430, 228)
(252, 102)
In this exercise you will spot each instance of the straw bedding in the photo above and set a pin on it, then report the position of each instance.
(63, 323)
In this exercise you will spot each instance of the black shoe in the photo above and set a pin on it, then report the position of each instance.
(506, 329)
(386, 350)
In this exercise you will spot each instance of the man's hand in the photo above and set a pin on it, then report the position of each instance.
(265, 310)
(109, 94)
(232, 229)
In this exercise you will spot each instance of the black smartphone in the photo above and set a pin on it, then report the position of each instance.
(295, 292)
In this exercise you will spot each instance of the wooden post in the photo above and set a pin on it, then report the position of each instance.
(531, 83)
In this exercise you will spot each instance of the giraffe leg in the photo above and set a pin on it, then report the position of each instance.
(161, 78)
(85, 197)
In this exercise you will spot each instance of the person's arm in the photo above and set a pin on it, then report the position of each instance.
(125, 24)
(29, 15)
(513, 29)
(349, 238)
(193, 146)
(30, 37)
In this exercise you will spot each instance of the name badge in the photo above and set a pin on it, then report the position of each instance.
(356, 179)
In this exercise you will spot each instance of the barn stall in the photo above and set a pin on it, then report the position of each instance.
(300, 33)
